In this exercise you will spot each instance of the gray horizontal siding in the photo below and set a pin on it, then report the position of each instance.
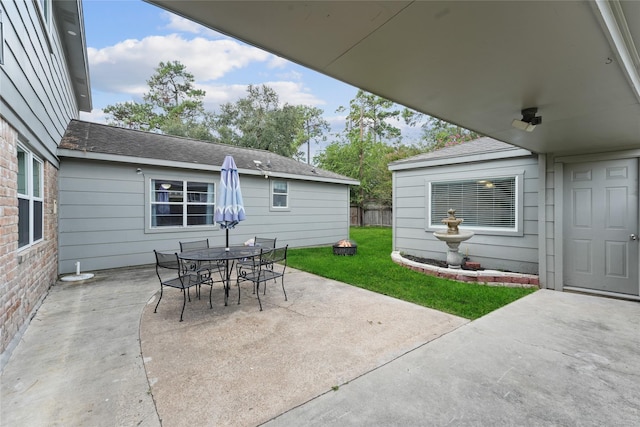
(506, 252)
(37, 96)
(102, 215)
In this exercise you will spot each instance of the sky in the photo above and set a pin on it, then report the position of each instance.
(126, 40)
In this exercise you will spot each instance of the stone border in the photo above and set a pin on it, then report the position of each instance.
(486, 277)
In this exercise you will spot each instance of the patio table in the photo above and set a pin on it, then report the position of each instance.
(221, 253)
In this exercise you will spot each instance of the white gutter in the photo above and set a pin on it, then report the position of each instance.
(618, 31)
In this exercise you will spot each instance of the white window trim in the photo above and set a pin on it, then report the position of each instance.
(288, 194)
(148, 204)
(46, 20)
(30, 197)
(519, 205)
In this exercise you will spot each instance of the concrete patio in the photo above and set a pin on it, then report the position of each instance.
(96, 354)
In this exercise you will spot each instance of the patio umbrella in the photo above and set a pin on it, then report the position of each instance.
(229, 207)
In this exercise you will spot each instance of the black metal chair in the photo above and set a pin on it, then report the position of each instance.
(263, 242)
(270, 265)
(175, 273)
(201, 266)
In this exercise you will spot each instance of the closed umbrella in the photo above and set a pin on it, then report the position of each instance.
(229, 207)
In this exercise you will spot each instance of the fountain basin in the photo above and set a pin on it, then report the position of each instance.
(461, 236)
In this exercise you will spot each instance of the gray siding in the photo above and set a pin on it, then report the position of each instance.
(102, 214)
(509, 252)
(37, 96)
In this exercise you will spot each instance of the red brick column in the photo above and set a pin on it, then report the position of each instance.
(25, 275)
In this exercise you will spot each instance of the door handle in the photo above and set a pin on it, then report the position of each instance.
(633, 237)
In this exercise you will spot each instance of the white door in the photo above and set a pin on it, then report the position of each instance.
(601, 225)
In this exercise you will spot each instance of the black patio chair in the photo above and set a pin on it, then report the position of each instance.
(270, 265)
(173, 272)
(248, 263)
(201, 266)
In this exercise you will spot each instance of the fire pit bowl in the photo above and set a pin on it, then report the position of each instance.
(345, 247)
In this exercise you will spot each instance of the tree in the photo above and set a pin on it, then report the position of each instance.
(369, 114)
(370, 135)
(131, 115)
(313, 127)
(438, 134)
(173, 105)
(367, 161)
(258, 121)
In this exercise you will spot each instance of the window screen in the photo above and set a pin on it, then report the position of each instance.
(30, 198)
(489, 202)
(181, 203)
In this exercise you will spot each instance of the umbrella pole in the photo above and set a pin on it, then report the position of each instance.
(227, 284)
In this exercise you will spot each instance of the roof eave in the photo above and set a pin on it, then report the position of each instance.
(473, 158)
(142, 161)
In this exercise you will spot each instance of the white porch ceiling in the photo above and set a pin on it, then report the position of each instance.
(473, 63)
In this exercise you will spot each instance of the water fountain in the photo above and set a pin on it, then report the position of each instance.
(453, 237)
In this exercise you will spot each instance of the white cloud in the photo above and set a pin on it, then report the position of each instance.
(277, 62)
(294, 93)
(119, 73)
(131, 62)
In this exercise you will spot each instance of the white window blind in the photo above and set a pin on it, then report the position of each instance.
(182, 203)
(489, 203)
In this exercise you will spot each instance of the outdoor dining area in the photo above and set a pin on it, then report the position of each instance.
(198, 264)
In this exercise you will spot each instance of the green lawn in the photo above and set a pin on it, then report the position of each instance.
(372, 268)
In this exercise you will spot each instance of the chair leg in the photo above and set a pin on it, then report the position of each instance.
(155, 310)
(184, 302)
(258, 294)
(285, 292)
(210, 291)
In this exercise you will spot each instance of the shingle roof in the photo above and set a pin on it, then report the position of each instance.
(89, 137)
(484, 145)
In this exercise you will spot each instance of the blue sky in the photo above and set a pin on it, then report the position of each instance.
(126, 39)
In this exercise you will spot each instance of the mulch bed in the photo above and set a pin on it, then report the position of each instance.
(437, 263)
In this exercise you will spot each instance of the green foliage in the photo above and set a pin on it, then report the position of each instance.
(131, 115)
(440, 134)
(368, 117)
(372, 268)
(369, 142)
(313, 128)
(258, 121)
(172, 105)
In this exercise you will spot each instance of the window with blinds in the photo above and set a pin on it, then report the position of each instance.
(483, 203)
(177, 203)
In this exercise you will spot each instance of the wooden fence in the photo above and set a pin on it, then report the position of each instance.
(371, 215)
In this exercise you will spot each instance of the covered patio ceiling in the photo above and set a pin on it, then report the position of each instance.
(473, 63)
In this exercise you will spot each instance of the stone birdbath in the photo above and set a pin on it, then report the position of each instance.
(453, 237)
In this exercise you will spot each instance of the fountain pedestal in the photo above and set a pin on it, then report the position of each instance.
(454, 257)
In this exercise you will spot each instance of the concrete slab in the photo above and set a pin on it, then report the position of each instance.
(79, 361)
(96, 354)
(238, 366)
(550, 358)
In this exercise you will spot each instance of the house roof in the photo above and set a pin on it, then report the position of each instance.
(109, 143)
(481, 149)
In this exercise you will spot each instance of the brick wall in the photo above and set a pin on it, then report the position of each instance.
(26, 275)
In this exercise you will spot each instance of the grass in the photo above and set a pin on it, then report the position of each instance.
(372, 268)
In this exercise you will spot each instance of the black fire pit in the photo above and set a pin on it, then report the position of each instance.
(345, 247)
